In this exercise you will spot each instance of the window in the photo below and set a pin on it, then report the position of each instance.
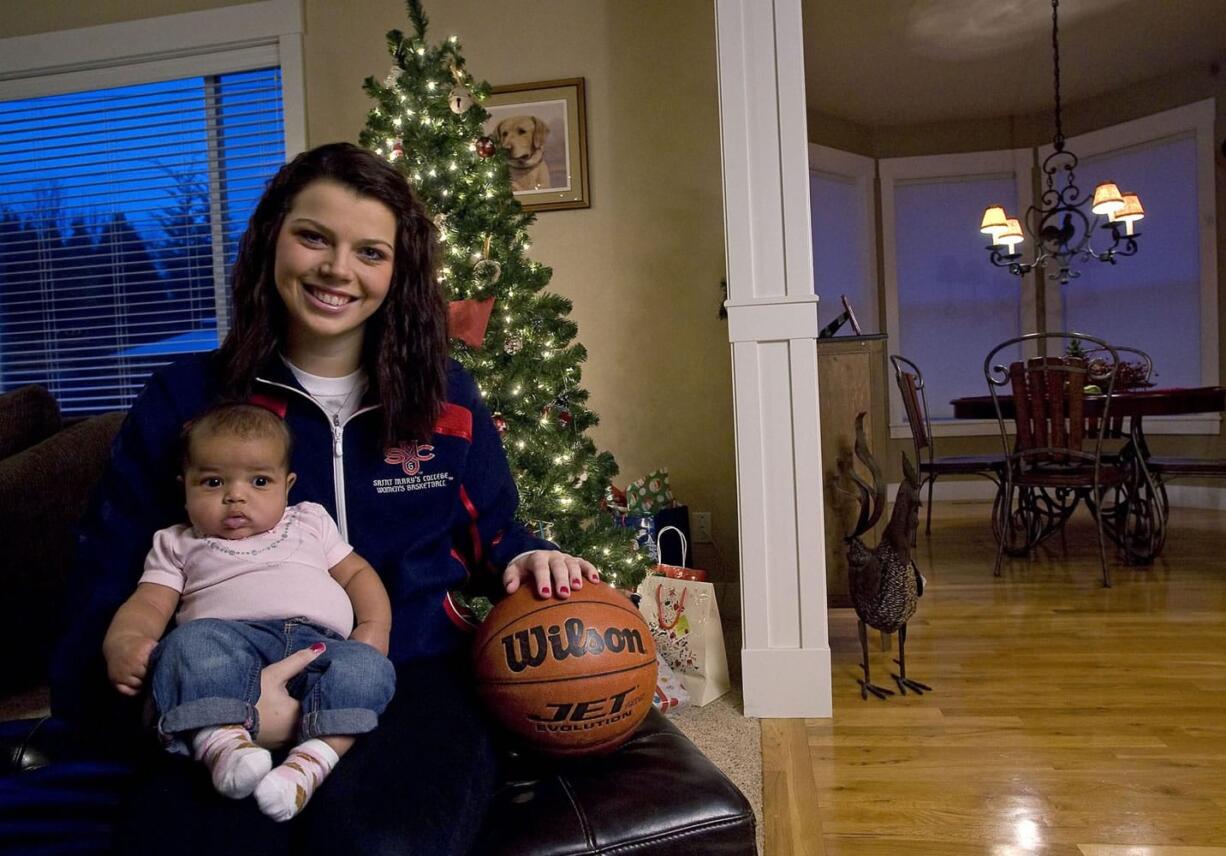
(842, 212)
(1163, 300)
(945, 306)
(120, 211)
(121, 205)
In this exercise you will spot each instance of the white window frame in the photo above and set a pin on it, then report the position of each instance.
(891, 171)
(1196, 119)
(148, 50)
(170, 47)
(862, 172)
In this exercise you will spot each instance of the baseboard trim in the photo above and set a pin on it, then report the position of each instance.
(982, 490)
(787, 682)
(1196, 496)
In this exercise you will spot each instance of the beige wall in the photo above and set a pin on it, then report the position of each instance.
(643, 264)
(26, 17)
(1173, 90)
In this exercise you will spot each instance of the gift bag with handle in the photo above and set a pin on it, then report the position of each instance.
(684, 620)
(647, 528)
(680, 571)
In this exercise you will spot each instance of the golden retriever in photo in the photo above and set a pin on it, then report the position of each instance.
(524, 139)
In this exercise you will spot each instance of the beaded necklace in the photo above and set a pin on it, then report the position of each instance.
(218, 544)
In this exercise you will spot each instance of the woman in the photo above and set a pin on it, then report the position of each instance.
(340, 327)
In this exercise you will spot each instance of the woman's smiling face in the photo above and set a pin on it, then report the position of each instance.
(333, 268)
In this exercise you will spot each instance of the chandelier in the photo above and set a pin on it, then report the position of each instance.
(1061, 228)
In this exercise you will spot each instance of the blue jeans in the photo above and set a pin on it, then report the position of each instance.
(207, 672)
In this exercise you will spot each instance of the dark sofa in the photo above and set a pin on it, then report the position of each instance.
(58, 793)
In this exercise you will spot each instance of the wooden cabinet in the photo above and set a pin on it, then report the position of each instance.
(851, 379)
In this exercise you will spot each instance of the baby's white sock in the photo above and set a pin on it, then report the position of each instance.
(236, 763)
(283, 792)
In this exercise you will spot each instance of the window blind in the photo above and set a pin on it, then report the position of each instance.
(120, 214)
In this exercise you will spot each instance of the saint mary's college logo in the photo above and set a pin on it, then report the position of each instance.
(409, 456)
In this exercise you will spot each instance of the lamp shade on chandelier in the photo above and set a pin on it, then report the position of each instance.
(1061, 227)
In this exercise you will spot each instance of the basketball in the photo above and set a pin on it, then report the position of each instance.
(568, 677)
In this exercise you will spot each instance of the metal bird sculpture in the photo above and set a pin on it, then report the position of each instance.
(885, 584)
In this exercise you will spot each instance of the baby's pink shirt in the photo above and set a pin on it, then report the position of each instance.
(278, 574)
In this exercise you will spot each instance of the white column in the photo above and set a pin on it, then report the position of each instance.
(772, 315)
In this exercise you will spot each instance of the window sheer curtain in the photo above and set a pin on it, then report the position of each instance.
(1152, 300)
(952, 308)
(844, 246)
(946, 306)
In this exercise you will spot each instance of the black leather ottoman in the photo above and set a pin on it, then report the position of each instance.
(656, 795)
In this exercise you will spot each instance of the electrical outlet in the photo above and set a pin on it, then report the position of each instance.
(701, 523)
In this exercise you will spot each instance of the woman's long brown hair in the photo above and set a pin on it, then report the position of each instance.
(405, 341)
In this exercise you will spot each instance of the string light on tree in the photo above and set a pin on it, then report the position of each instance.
(428, 118)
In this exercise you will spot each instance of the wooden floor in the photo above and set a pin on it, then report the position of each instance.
(1066, 718)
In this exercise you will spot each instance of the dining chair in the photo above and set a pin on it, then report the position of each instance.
(1144, 363)
(1166, 468)
(1054, 460)
(1097, 360)
(931, 466)
(1118, 428)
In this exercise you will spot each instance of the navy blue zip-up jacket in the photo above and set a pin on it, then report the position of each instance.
(427, 516)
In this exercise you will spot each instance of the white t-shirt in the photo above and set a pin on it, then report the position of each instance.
(340, 396)
(278, 574)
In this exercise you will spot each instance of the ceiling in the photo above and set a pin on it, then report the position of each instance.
(899, 62)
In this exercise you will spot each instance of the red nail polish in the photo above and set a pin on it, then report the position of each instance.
(563, 590)
(319, 647)
(576, 581)
(544, 591)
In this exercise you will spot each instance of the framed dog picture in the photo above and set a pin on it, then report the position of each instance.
(543, 128)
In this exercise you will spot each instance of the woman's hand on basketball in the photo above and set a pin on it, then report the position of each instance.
(552, 573)
(277, 709)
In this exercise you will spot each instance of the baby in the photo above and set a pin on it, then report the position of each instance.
(248, 583)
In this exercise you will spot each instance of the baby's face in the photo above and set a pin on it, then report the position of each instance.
(236, 487)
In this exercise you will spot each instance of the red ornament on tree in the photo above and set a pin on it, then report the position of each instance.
(485, 147)
(397, 152)
(565, 417)
(500, 423)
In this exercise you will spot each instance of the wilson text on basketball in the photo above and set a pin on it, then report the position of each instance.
(528, 648)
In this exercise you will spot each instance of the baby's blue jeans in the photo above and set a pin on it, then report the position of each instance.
(207, 672)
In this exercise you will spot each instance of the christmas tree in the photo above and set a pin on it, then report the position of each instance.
(429, 121)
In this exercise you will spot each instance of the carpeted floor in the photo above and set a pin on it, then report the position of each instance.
(723, 732)
(25, 704)
(733, 741)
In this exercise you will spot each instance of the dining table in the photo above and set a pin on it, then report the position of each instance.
(1136, 513)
